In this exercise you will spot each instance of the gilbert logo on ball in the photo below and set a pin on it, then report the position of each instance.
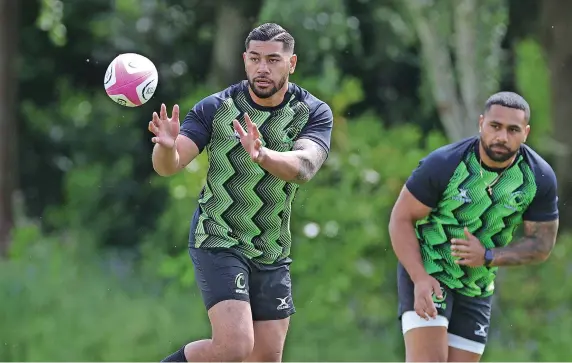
(131, 79)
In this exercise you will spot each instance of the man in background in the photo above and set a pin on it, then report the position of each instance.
(453, 224)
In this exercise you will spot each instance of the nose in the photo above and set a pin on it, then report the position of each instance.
(502, 136)
(262, 68)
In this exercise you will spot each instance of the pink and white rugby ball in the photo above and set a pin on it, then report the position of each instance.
(131, 79)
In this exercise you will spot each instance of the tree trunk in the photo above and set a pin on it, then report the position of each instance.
(8, 81)
(461, 48)
(233, 23)
(556, 32)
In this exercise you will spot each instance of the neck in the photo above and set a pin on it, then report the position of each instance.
(490, 162)
(271, 101)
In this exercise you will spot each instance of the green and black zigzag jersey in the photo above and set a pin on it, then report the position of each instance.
(452, 182)
(242, 205)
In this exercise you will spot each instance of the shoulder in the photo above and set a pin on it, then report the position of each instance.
(543, 172)
(451, 154)
(544, 206)
(211, 103)
(430, 179)
(315, 105)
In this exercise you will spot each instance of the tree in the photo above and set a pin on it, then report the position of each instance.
(233, 22)
(461, 52)
(8, 82)
(556, 32)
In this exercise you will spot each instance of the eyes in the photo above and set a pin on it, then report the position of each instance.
(271, 60)
(511, 129)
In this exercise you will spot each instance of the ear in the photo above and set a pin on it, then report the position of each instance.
(481, 121)
(293, 61)
(526, 132)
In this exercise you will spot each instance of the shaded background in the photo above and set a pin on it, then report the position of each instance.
(95, 264)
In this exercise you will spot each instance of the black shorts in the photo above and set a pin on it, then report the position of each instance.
(225, 274)
(467, 319)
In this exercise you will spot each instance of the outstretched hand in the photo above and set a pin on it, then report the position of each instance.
(470, 251)
(165, 129)
(250, 140)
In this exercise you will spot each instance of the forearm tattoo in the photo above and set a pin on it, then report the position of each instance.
(311, 160)
(535, 246)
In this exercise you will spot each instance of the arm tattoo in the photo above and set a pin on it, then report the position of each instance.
(535, 246)
(310, 160)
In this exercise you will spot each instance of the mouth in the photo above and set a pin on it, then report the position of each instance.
(263, 82)
(500, 149)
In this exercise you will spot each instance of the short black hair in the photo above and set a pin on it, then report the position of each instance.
(271, 32)
(510, 100)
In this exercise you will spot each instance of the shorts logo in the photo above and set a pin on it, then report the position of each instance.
(283, 304)
(481, 331)
(440, 303)
(240, 283)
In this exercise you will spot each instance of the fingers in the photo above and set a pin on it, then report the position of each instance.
(163, 112)
(467, 233)
(420, 308)
(175, 115)
(460, 242)
(248, 120)
(460, 248)
(431, 310)
(437, 289)
(251, 126)
(153, 128)
(255, 132)
(156, 120)
(239, 129)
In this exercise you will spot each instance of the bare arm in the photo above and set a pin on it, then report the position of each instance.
(406, 211)
(169, 161)
(298, 166)
(536, 245)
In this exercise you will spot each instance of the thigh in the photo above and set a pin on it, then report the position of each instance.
(469, 327)
(232, 331)
(406, 301)
(269, 338)
(271, 292)
(425, 340)
(426, 344)
(221, 275)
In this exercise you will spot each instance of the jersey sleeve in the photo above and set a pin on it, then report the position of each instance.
(429, 180)
(319, 126)
(197, 125)
(544, 206)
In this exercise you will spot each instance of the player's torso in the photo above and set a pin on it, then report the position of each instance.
(242, 202)
(491, 216)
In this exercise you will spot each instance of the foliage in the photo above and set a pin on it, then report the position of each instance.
(104, 275)
(532, 80)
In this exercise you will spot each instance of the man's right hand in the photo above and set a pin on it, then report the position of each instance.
(165, 129)
(425, 287)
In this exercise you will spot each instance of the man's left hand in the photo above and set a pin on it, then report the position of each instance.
(470, 251)
(251, 140)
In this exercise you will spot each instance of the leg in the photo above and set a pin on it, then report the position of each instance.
(272, 306)
(269, 338)
(223, 277)
(468, 330)
(425, 340)
(232, 335)
(460, 355)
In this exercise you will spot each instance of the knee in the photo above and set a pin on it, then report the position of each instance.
(235, 347)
